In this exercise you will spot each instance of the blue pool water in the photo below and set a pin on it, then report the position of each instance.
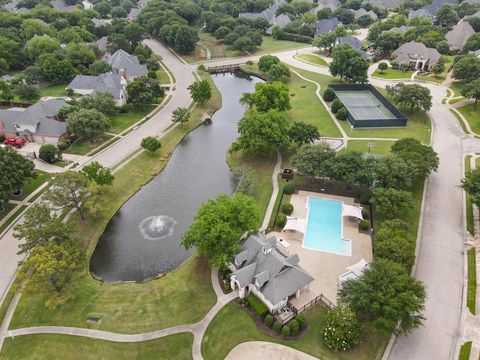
(324, 227)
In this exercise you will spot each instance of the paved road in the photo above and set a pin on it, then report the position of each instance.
(116, 153)
(442, 233)
(160, 121)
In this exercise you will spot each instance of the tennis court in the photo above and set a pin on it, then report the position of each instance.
(363, 105)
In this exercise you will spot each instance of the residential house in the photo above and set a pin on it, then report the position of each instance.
(270, 14)
(39, 122)
(11, 6)
(416, 55)
(356, 44)
(111, 82)
(327, 25)
(458, 36)
(133, 14)
(384, 4)
(332, 4)
(362, 12)
(62, 6)
(102, 44)
(401, 29)
(264, 267)
(430, 11)
(126, 64)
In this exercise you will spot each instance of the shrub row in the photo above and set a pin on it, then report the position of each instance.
(291, 328)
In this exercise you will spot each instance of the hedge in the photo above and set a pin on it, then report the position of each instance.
(259, 307)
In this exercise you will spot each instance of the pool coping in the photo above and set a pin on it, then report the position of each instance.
(341, 230)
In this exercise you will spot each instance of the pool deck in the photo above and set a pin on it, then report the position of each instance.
(324, 267)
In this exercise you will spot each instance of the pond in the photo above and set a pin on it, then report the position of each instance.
(143, 240)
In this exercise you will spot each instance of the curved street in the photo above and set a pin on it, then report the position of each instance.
(440, 244)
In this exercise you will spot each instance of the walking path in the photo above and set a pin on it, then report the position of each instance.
(273, 198)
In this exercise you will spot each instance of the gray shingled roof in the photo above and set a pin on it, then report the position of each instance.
(458, 36)
(401, 29)
(422, 12)
(437, 4)
(120, 60)
(332, 4)
(415, 50)
(261, 265)
(108, 82)
(102, 44)
(327, 25)
(38, 115)
(281, 20)
(60, 5)
(384, 4)
(101, 22)
(350, 40)
(361, 12)
(133, 14)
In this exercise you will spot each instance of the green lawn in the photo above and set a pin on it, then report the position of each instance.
(7, 223)
(53, 90)
(472, 114)
(121, 121)
(307, 107)
(272, 45)
(317, 60)
(162, 76)
(441, 77)
(33, 184)
(456, 87)
(47, 346)
(468, 200)
(472, 280)
(83, 146)
(393, 74)
(7, 208)
(183, 296)
(379, 147)
(460, 121)
(465, 351)
(418, 127)
(233, 326)
(263, 167)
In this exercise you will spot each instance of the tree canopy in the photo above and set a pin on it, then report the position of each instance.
(218, 225)
(348, 64)
(388, 295)
(100, 174)
(200, 91)
(391, 203)
(412, 96)
(268, 96)
(471, 184)
(144, 90)
(87, 123)
(303, 133)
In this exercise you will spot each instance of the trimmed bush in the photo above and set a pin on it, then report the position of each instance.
(286, 331)
(249, 62)
(294, 326)
(280, 220)
(289, 189)
(364, 225)
(277, 326)
(201, 67)
(342, 114)
(287, 208)
(394, 64)
(336, 105)
(382, 67)
(343, 330)
(269, 320)
(365, 213)
(63, 144)
(329, 94)
(301, 320)
(48, 153)
(257, 305)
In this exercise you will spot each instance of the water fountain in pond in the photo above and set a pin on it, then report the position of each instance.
(157, 227)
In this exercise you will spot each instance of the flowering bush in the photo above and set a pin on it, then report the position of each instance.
(343, 330)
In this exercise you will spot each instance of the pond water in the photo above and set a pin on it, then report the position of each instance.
(143, 239)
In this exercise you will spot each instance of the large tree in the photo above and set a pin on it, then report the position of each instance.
(70, 190)
(54, 69)
(79, 54)
(181, 115)
(303, 133)
(314, 160)
(262, 133)
(15, 170)
(87, 123)
(447, 16)
(39, 45)
(412, 96)
(423, 158)
(218, 225)
(391, 203)
(325, 41)
(348, 64)
(26, 92)
(102, 102)
(51, 266)
(268, 96)
(266, 62)
(351, 167)
(471, 184)
(472, 90)
(388, 295)
(394, 172)
(100, 174)
(467, 69)
(144, 90)
(391, 243)
(389, 41)
(40, 227)
(185, 39)
(200, 91)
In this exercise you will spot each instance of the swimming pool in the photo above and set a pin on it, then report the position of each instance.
(324, 231)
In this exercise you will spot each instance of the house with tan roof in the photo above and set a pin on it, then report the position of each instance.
(416, 55)
(458, 36)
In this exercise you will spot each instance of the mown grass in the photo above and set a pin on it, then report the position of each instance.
(49, 346)
(393, 74)
(233, 326)
(472, 115)
(53, 90)
(317, 60)
(182, 296)
(460, 121)
(83, 146)
(121, 121)
(468, 200)
(33, 184)
(381, 147)
(472, 280)
(465, 351)
(456, 87)
(7, 208)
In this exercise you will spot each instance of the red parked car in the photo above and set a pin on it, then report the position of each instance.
(16, 141)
